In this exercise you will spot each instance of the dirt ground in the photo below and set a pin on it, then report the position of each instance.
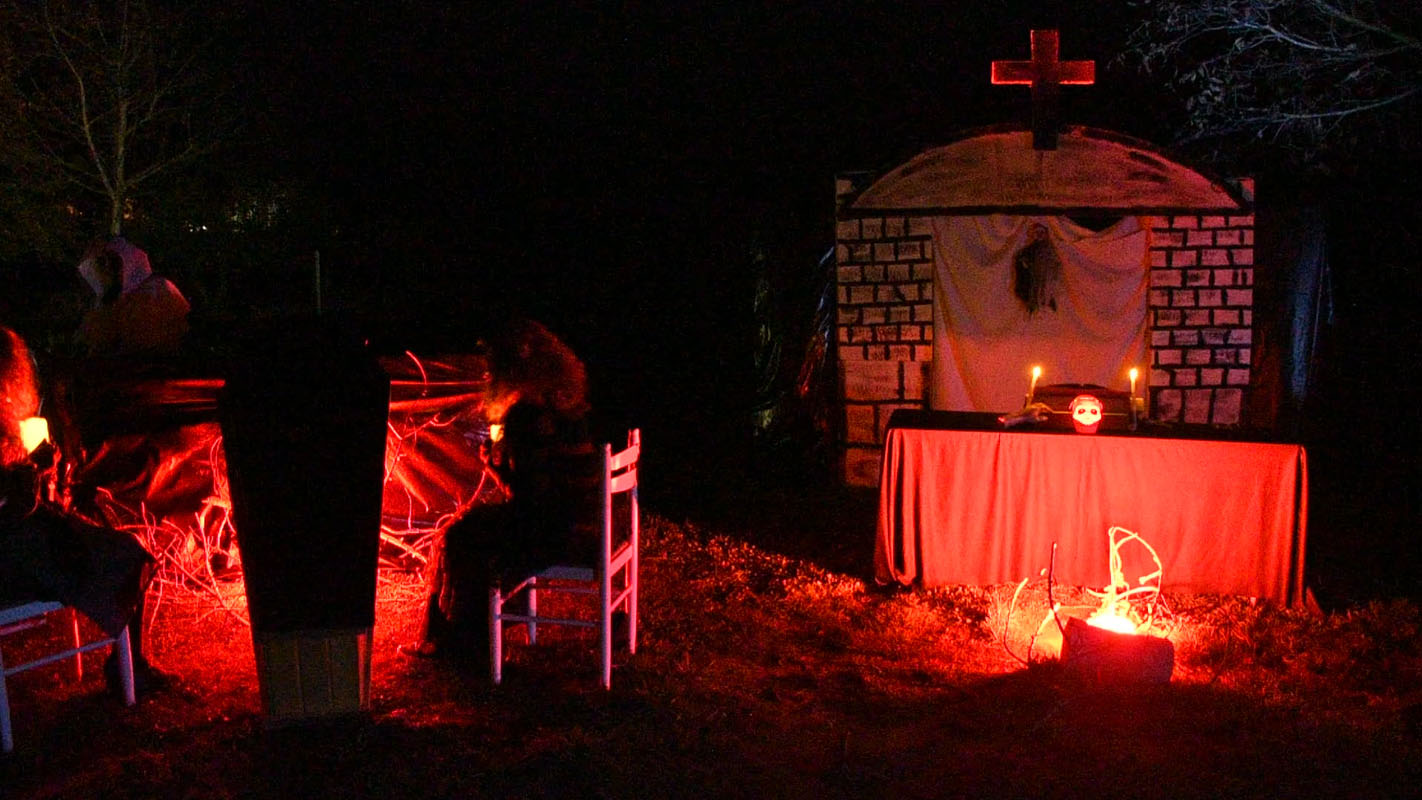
(766, 668)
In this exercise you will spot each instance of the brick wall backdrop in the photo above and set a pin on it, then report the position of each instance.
(1201, 317)
(1200, 320)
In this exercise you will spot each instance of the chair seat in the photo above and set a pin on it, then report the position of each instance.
(567, 573)
(27, 611)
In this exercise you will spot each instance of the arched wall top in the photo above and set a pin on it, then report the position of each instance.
(996, 171)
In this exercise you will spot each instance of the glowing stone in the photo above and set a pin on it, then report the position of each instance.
(1107, 657)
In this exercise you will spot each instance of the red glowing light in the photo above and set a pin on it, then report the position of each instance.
(1112, 622)
(1046, 66)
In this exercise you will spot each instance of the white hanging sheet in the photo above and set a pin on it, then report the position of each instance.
(984, 340)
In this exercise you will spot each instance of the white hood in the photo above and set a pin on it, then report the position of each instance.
(136, 268)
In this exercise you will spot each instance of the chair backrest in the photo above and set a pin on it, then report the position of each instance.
(620, 479)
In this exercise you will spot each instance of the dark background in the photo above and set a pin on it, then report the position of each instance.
(626, 174)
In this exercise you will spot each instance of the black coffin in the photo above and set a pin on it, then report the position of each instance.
(303, 415)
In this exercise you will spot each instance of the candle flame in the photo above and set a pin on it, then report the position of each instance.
(496, 432)
(1036, 372)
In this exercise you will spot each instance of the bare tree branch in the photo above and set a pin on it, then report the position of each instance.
(106, 97)
(1308, 75)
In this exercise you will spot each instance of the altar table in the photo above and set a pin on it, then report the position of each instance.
(969, 503)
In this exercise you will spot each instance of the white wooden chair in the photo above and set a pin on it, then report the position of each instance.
(31, 615)
(613, 579)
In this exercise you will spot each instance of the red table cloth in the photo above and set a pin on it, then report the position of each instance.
(985, 506)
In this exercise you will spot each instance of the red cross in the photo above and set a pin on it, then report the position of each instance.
(1045, 73)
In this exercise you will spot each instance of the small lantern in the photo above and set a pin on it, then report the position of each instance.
(34, 432)
(1086, 413)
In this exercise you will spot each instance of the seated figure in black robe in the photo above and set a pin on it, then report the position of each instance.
(49, 554)
(549, 471)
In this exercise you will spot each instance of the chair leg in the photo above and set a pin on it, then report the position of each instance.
(605, 634)
(632, 622)
(124, 645)
(78, 657)
(632, 607)
(496, 636)
(7, 742)
(532, 610)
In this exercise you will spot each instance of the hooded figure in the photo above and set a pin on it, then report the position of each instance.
(135, 312)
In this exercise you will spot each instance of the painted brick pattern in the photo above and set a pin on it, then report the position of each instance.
(884, 324)
(1201, 309)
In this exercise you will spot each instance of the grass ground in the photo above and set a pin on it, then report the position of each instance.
(766, 668)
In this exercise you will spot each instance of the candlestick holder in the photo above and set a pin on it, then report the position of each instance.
(1135, 406)
(1138, 407)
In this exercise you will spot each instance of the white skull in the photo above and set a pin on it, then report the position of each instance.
(1085, 413)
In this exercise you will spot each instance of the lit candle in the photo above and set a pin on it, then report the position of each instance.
(1134, 373)
(1032, 387)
